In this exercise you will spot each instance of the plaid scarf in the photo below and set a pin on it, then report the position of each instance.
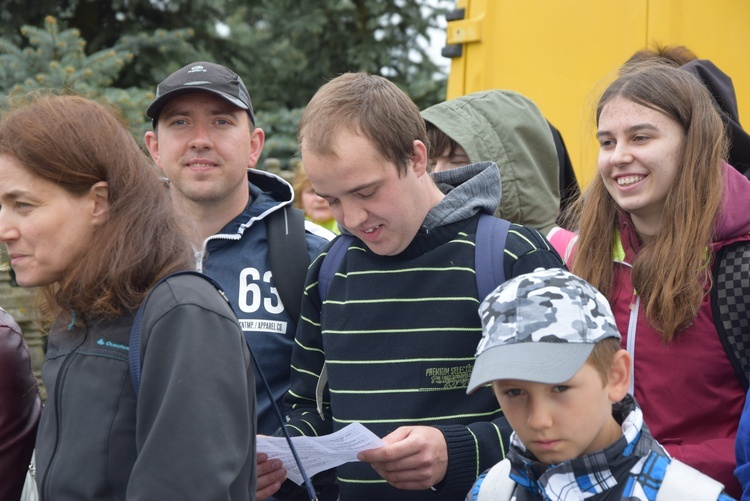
(636, 459)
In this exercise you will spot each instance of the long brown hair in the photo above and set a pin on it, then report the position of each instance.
(670, 273)
(75, 143)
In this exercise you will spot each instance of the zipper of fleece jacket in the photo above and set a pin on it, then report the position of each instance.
(62, 375)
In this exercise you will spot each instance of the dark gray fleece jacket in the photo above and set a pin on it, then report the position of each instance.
(191, 433)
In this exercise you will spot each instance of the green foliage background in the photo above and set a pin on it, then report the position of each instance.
(117, 51)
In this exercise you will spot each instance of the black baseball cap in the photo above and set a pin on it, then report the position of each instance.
(203, 76)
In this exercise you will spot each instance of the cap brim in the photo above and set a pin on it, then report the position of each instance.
(154, 109)
(548, 363)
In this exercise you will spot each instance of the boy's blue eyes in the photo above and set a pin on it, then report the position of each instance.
(515, 392)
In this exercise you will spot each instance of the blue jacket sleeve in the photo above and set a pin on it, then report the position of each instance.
(742, 451)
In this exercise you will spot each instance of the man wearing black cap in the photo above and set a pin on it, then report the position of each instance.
(206, 142)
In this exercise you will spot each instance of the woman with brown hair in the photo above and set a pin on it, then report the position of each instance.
(85, 218)
(650, 226)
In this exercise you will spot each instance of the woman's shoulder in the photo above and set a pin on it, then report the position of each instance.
(190, 288)
(563, 241)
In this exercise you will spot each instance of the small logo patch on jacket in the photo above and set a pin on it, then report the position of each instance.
(110, 344)
(445, 375)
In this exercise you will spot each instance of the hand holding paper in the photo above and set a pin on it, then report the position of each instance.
(320, 453)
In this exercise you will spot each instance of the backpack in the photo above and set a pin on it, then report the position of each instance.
(489, 251)
(730, 305)
(287, 255)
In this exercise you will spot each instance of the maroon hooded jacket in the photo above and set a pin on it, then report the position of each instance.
(20, 407)
(691, 397)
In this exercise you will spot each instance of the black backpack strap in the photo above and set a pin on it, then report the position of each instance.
(331, 262)
(287, 255)
(134, 352)
(569, 188)
(730, 304)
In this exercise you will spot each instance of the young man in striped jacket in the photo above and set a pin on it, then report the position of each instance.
(396, 331)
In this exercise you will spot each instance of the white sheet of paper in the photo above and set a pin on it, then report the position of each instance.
(320, 453)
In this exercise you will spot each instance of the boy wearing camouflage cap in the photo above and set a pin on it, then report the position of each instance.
(551, 350)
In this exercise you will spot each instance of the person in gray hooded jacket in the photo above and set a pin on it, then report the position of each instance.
(507, 128)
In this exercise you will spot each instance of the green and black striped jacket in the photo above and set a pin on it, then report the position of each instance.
(398, 336)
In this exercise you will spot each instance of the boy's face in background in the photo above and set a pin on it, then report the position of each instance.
(449, 160)
(558, 422)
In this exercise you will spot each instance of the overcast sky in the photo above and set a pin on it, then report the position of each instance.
(437, 36)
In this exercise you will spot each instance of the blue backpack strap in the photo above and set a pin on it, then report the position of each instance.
(489, 253)
(134, 352)
(331, 262)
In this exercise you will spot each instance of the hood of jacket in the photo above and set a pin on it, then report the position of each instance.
(508, 129)
(468, 190)
(268, 193)
(719, 84)
(733, 220)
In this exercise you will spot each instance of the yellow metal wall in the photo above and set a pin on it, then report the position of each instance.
(561, 53)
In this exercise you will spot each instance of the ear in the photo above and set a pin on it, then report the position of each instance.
(99, 196)
(619, 376)
(152, 145)
(257, 139)
(419, 158)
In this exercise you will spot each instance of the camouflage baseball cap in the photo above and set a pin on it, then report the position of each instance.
(540, 327)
